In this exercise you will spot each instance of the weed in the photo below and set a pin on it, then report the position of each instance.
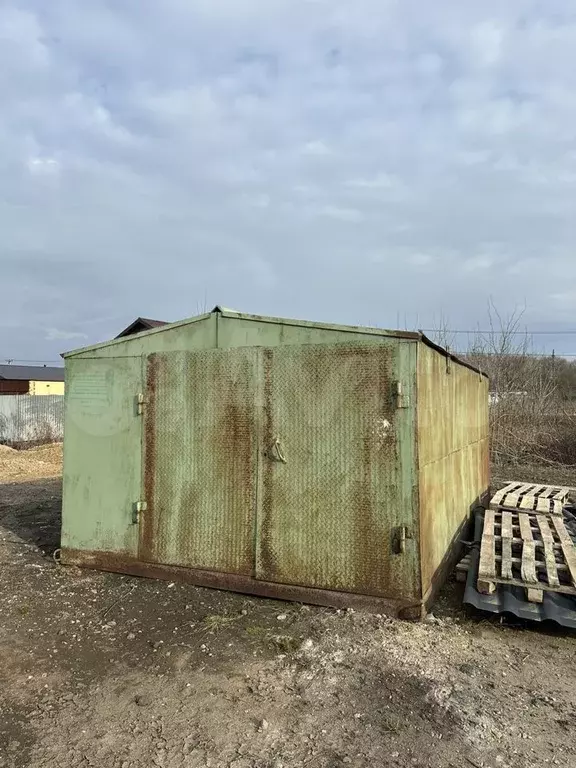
(215, 622)
(285, 643)
(255, 631)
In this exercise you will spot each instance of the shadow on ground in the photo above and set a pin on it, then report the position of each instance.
(32, 512)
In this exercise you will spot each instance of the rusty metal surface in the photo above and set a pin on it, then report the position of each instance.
(330, 513)
(200, 449)
(449, 355)
(124, 563)
(240, 330)
(148, 523)
(453, 453)
(351, 489)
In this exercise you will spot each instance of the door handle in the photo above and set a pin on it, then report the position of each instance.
(276, 453)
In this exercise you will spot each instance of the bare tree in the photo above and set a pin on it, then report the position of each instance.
(525, 414)
(531, 420)
(442, 334)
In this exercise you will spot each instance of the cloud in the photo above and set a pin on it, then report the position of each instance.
(380, 181)
(421, 259)
(54, 334)
(153, 156)
(316, 149)
(43, 166)
(342, 214)
(565, 301)
(477, 263)
(488, 39)
(258, 200)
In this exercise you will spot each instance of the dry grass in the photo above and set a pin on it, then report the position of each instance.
(526, 432)
(20, 466)
(51, 453)
(533, 412)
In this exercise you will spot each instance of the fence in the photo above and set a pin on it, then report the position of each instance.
(31, 419)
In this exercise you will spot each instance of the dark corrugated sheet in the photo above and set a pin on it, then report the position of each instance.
(560, 609)
(31, 373)
(139, 325)
(448, 354)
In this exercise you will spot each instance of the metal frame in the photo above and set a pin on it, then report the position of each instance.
(122, 563)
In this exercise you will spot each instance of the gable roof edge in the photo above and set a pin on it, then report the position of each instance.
(131, 337)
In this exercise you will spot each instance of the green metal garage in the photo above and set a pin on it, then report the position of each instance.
(312, 462)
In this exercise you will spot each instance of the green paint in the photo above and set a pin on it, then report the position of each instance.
(226, 328)
(203, 448)
(328, 515)
(407, 465)
(246, 332)
(228, 385)
(198, 333)
(102, 456)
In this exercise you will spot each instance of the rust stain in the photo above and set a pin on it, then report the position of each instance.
(332, 507)
(268, 561)
(234, 440)
(376, 495)
(204, 437)
(123, 563)
(327, 516)
(146, 544)
(368, 569)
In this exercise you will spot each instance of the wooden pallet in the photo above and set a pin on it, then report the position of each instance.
(526, 549)
(546, 499)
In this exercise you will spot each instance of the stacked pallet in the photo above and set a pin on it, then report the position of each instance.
(539, 498)
(525, 542)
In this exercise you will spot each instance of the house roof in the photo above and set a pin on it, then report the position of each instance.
(31, 373)
(139, 325)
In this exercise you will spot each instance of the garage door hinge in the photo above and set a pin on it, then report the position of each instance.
(399, 537)
(402, 400)
(140, 403)
(137, 509)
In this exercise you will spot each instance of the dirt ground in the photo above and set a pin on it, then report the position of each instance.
(104, 670)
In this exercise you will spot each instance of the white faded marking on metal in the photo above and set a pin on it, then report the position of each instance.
(381, 431)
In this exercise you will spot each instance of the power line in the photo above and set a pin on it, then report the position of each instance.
(556, 354)
(501, 333)
(10, 360)
(479, 353)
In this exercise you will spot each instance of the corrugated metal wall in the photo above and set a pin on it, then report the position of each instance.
(31, 419)
(200, 472)
(341, 514)
(215, 331)
(330, 513)
(453, 452)
(221, 496)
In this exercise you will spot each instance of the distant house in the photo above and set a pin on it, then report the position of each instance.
(31, 380)
(139, 325)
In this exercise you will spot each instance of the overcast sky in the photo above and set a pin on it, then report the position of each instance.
(356, 161)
